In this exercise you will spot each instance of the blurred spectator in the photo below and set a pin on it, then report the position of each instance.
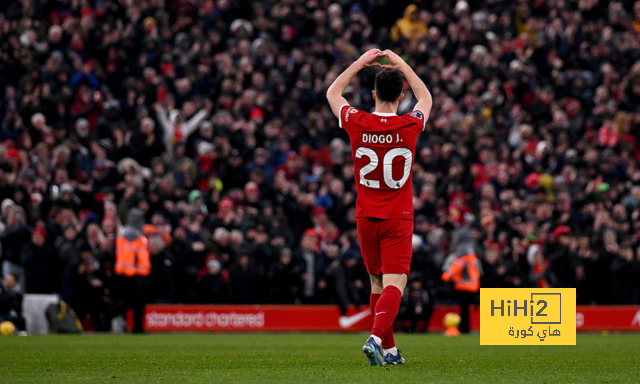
(132, 267)
(161, 279)
(14, 235)
(90, 290)
(462, 269)
(285, 279)
(215, 282)
(11, 302)
(344, 280)
(40, 264)
(625, 272)
(410, 28)
(307, 255)
(243, 280)
(416, 306)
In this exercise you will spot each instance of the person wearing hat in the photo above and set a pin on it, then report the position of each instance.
(40, 264)
(312, 183)
(564, 263)
(195, 198)
(344, 280)
(214, 284)
(260, 161)
(291, 166)
(244, 279)
(206, 161)
(132, 267)
(234, 173)
(409, 27)
(206, 131)
(67, 197)
(319, 216)
(252, 196)
(285, 278)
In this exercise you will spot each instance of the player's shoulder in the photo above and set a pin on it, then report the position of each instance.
(349, 110)
(352, 117)
(416, 116)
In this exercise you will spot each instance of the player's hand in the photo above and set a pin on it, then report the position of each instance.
(368, 59)
(395, 61)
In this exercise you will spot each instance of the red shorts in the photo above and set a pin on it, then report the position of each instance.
(385, 245)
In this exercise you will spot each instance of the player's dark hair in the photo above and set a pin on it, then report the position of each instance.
(389, 84)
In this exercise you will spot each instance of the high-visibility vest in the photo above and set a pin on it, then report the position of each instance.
(464, 273)
(132, 257)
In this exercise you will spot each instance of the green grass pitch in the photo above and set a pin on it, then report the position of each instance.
(306, 358)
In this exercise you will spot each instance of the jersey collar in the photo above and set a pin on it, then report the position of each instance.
(384, 114)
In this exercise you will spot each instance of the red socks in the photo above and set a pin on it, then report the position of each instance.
(388, 341)
(384, 308)
(372, 303)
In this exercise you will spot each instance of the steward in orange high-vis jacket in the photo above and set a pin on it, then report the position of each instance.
(132, 256)
(132, 267)
(463, 270)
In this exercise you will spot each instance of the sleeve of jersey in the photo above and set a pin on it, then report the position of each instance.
(343, 113)
(418, 114)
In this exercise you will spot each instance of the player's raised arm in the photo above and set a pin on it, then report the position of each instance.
(420, 90)
(334, 93)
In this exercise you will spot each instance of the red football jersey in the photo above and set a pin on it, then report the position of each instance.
(383, 148)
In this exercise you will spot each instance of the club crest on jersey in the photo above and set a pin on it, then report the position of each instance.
(417, 114)
(346, 115)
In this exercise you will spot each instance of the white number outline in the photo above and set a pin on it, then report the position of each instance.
(369, 167)
(387, 170)
(387, 167)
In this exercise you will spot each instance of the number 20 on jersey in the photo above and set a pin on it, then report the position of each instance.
(387, 166)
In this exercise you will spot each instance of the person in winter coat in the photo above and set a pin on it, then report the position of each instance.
(11, 302)
(214, 285)
(13, 237)
(40, 264)
(244, 280)
(342, 282)
(409, 27)
(285, 279)
(416, 306)
(161, 286)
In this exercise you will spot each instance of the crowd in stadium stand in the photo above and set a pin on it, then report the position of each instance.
(211, 118)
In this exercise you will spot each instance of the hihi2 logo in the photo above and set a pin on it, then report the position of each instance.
(527, 316)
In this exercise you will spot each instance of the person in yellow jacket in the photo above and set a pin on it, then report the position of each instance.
(409, 27)
(133, 265)
(463, 269)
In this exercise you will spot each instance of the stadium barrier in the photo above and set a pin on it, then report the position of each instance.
(327, 318)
